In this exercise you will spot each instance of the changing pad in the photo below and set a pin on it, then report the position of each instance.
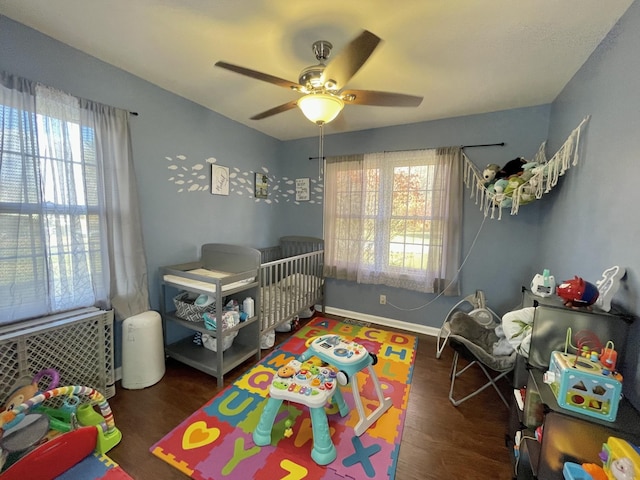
(203, 285)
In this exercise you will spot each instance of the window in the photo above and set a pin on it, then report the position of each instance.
(70, 234)
(51, 216)
(393, 218)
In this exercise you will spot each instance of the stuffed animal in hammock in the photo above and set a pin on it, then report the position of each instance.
(490, 172)
(512, 167)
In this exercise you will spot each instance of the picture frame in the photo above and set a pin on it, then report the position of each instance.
(261, 185)
(219, 180)
(302, 189)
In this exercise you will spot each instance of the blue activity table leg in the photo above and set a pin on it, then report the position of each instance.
(323, 452)
(342, 405)
(262, 433)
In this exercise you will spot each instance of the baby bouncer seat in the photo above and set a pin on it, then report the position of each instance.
(472, 329)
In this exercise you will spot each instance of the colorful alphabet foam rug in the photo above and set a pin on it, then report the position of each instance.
(216, 443)
(95, 467)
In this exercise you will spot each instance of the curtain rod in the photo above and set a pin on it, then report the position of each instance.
(501, 144)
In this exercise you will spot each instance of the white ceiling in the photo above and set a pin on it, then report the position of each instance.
(463, 56)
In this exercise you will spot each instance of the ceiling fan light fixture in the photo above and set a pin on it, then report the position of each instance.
(320, 108)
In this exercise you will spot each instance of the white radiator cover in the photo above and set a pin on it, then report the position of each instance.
(79, 345)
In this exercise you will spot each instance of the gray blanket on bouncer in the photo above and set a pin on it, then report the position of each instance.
(480, 340)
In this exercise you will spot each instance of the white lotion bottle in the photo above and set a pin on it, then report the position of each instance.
(248, 307)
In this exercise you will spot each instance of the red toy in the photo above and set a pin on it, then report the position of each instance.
(577, 292)
(54, 457)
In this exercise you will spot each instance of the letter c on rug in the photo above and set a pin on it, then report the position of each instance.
(198, 434)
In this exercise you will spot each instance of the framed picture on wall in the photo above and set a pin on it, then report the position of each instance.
(219, 180)
(302, 189)
(262, 185)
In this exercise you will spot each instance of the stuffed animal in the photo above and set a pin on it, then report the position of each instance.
(505, 202)
(528, 170)
(512, 167)
(27, 388)
(527, 194)
(19, 396)
(499, 198)
(493, 171)
(539, 173)
(490, 172)
(512, 185)
(500, 185)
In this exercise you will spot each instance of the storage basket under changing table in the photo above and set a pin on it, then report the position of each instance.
(186, 308)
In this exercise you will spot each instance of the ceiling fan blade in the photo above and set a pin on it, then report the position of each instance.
(275, 110)
(350, 59)
(380, 99)
(259, 75)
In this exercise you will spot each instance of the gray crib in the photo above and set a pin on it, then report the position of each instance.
(291, 279)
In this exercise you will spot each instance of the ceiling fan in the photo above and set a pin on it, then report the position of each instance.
(323, 85)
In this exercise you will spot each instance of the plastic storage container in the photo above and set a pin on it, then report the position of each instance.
(142, 350)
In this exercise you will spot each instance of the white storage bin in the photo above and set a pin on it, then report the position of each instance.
(142, 350)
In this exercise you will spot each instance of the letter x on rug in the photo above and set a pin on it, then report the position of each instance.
(216, 442)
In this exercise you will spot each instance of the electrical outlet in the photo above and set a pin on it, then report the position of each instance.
(383, 299)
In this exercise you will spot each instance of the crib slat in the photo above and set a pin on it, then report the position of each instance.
(290, 279)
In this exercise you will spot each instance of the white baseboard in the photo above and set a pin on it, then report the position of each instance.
(364, 317)
(382, 321)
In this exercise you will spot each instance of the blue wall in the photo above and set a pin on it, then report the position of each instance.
(505, 251)
(171, 137)
(593, 222)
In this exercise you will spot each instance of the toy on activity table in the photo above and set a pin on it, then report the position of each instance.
(586, 382)
(37, 453)
(313, 384)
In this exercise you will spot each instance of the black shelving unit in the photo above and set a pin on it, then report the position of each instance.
(566, 436)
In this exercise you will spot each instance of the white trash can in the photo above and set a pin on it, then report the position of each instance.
(142, 350)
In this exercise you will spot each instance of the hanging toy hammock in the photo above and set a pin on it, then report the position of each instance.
(539, 176)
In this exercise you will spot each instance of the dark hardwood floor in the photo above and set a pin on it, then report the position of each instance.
(439, 441)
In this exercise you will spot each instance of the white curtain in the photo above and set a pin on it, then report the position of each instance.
(129, 291)
(394, 218)
(69, 218)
